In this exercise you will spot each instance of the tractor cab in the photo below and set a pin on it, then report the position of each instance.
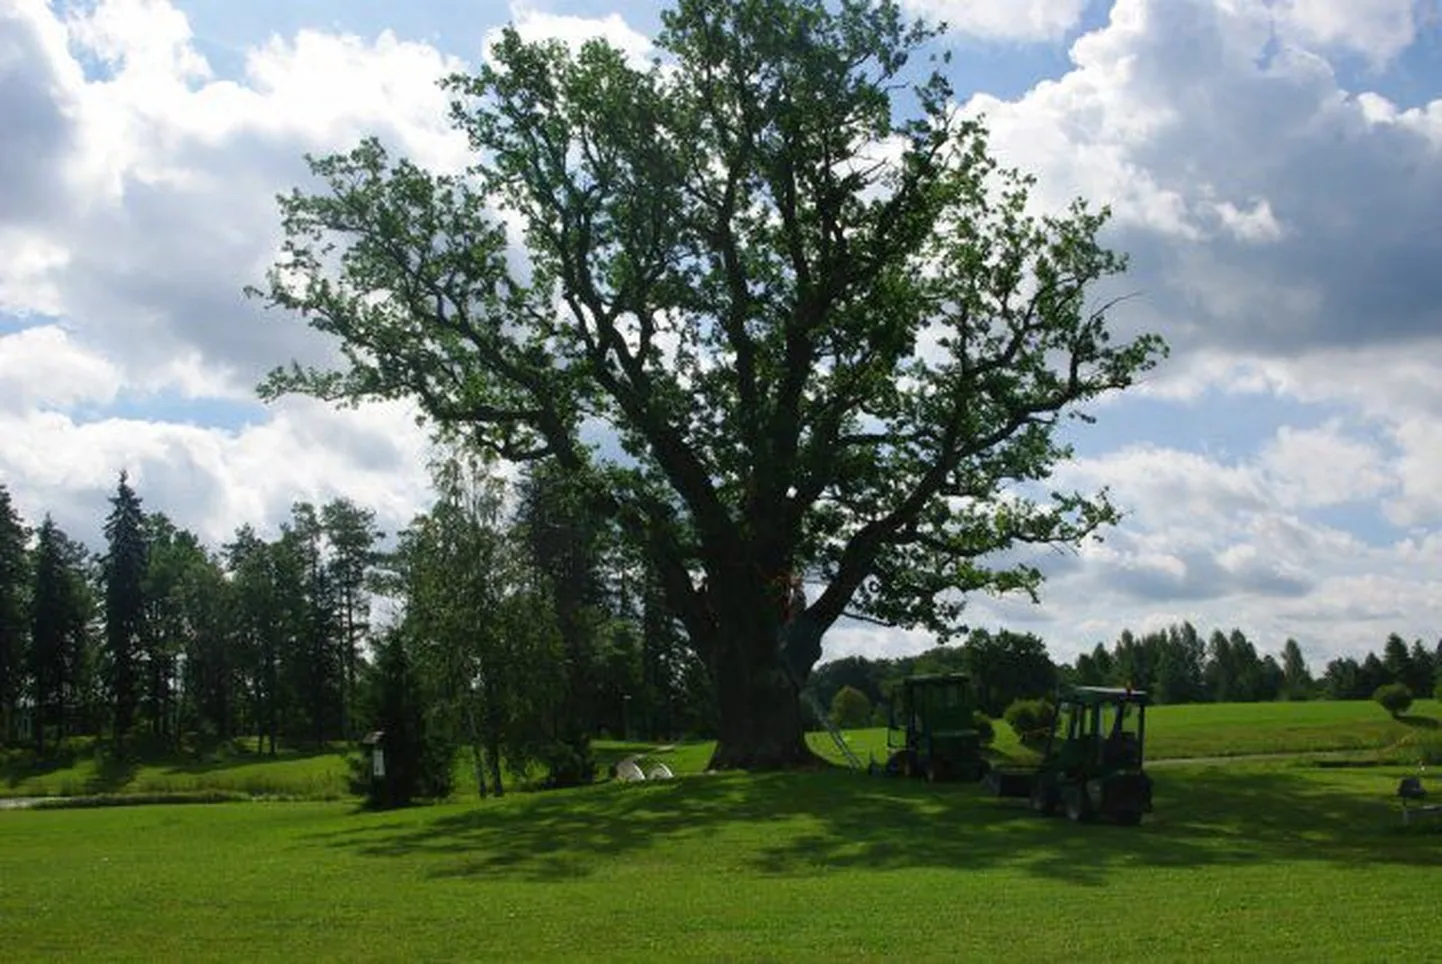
(1093, 762)
(932, 729)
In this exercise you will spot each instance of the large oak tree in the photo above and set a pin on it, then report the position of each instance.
(778, 276)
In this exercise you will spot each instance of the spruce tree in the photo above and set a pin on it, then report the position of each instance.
(13, 589)
(125, 565)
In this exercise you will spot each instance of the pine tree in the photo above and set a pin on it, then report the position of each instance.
(124, 571)
(14, 588)
(59, 628)
(352, 534)
(417, 758)
(1296, 679)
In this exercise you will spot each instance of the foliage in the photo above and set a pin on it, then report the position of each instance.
(416, 758)
(123, 573)
(1006, 667)
(985, 728)
(850, 708)
(1031, 720)
(816, 358)
(1395, 698)
(14, 617)
(61, 610)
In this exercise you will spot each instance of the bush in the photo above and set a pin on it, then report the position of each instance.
(567, 764)
(1395, 698)
(1030, 720)
(985, 728)
(850, 709)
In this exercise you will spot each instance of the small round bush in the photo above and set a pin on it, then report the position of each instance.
(1030, 720)
(1395, 698)
(985, 729)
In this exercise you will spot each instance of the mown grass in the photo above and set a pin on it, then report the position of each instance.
(1174, 733)
(1207, 730)
(85, 769)
(1256, 861)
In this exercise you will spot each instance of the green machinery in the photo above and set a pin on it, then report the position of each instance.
(1093, 762)
(932, 730)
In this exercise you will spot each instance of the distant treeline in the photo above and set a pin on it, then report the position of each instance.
(523, 629)
(520, 627)
(1177, 665)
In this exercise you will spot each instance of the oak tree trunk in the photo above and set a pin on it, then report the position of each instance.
(760, 658)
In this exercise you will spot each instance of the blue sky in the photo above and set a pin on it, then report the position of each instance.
(1275, 168)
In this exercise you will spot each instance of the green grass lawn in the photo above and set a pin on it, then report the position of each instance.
(1205, 730)
(1174, 732)
(1279, 861)
(316, 775)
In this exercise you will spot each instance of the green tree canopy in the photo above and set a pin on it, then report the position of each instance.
(825, 338)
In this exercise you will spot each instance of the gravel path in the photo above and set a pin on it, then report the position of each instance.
(18, 803)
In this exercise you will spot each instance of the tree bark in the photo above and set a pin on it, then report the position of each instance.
(761, 725)
(760, 658)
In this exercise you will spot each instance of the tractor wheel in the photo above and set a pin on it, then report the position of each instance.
(1043, 798)
(1129, 818)
(1078, 807)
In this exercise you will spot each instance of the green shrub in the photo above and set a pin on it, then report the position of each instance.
(985, 728)
(850, 709)
(1395, 698)
(1030, 720)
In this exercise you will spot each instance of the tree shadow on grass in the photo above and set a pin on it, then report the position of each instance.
(1420, 722)
(218, 761)
(804, 824)
(112, 772)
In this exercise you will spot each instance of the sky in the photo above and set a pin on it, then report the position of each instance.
(1274, 168)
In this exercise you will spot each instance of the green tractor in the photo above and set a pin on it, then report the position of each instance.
(932, 730)
(1092, 765)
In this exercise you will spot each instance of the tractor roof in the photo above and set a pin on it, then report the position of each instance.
(1092, 695)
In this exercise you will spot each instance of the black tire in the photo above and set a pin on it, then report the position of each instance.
(1043, 799)
(1129, 818)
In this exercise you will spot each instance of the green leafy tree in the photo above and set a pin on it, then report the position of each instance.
(313, 657)
(1395, 698)
(213, 665)
(170, 618)
(352, 534)
(1342, 680)
(563, 536)
(260, 626)
(123, 574)
(827, 339)
(850, 709)
(1031, 720)
(1005, 667)
(14, 618)
(484, 627)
